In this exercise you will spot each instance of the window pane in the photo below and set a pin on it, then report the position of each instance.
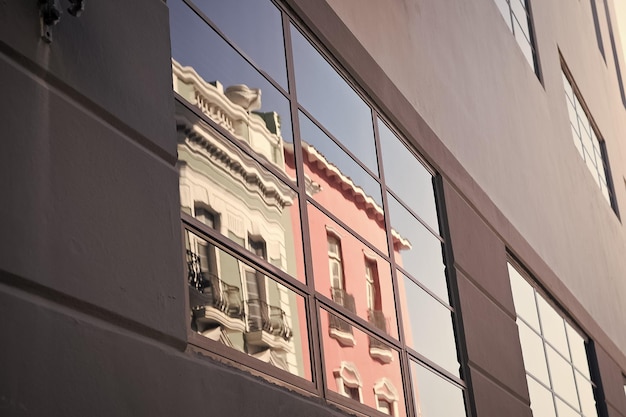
(243, 198)
(519, 16)
(357, 365)
(337, 182)
(356, 259)
(553, 326)
(524, 298)
(565, 410)
(579, 353)
(533, 352)
(235, 304)
(524, 43)
(256, 27)
(503, 7)
(417, 250)
(427, 325)
(541, 400)
(327, 96)
(400, 164)
(562, 376)
(211, 75)
(585, 393)
(434, 396)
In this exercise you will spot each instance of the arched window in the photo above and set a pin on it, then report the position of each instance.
(349, 381)
(386, 397)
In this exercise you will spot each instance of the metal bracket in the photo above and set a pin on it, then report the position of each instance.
(50, 14)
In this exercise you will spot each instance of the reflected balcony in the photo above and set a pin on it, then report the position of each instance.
(339, 328)
(213, 302)
(267, 326)
(379, 350)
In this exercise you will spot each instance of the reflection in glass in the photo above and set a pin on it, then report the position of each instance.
(541, 400)
(407, 177)
(214, 77)
(358, 371)
(427, 325)
(349, 273)
(332, 102)
(553, 327)
(338, 183)
(524, 299)
(434, 396)
(236, 196)
(562, 376)
(235, 304)
(320, 152)
(421, 251)
(534, 355)
(256, 27)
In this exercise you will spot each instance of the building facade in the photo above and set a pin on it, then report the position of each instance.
(287, 208)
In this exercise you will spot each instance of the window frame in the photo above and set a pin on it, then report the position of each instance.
(598, 138)
(539, 292)
(532, 42)
(314, 301)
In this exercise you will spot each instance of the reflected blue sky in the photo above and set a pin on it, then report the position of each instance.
(314, 136)
(256, 27)
(407, 177)
(195, 44)
(434, 396)
(332, 101)
(431, 328)
(424, 261)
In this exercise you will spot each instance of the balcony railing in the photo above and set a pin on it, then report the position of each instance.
(272, 319)
(208, 290)
(378, 319)
(341, 297)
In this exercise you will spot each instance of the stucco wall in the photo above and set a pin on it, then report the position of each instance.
(473, 87)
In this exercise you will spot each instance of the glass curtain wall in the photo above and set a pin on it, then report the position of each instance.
(312, 234)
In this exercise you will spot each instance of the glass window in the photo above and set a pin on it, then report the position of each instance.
(255, 27)
(362, 365)
(236, 304)
(428, 325)
(517, 17)
(332, 102)
(358, 278)
(218, 179)
(434, 396)
(400, 164)
(285, 248)
(587, 140)
(417, 250)
(210, 74)
(555, 356)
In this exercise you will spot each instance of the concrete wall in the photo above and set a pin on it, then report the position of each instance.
(459, 67)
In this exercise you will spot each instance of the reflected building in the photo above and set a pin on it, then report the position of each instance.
(231, 193)
(227, 189)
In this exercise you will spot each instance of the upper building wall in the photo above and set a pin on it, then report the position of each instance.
(462, 70)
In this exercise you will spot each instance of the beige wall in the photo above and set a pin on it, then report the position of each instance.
(460, 67)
